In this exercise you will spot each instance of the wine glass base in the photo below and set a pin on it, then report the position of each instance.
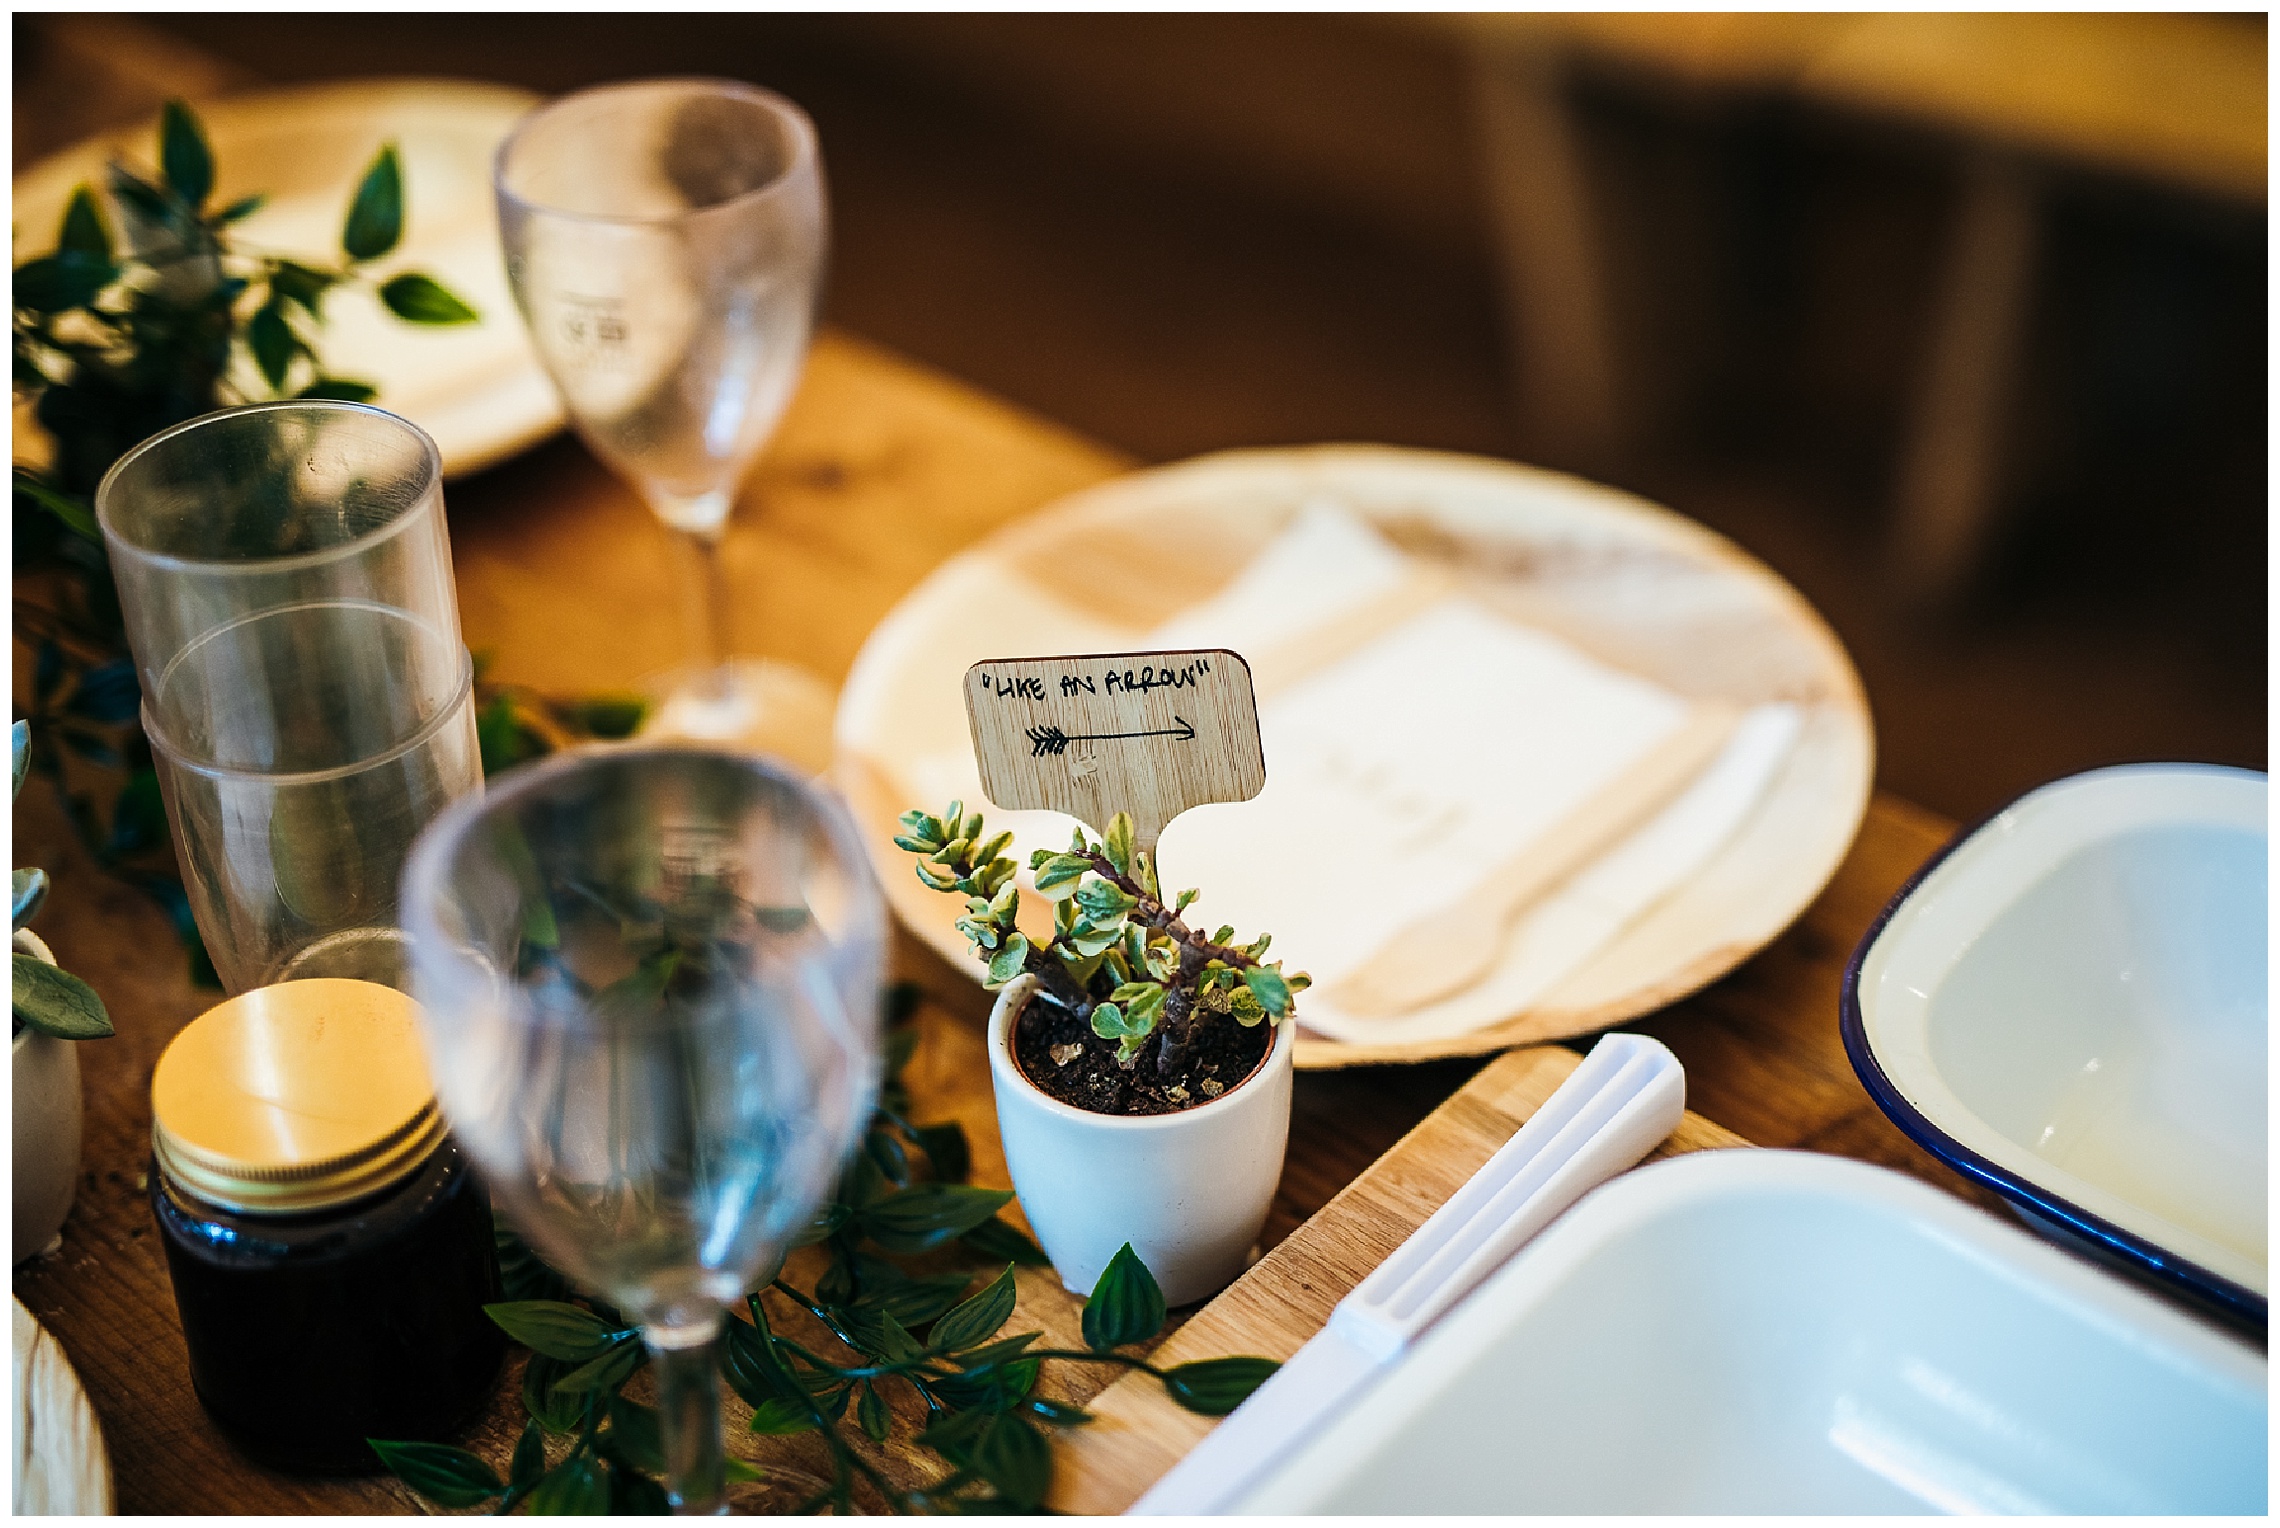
(766, 706)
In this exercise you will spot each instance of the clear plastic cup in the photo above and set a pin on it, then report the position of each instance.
(285, 578)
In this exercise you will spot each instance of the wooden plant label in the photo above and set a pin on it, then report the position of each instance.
(1092, 735)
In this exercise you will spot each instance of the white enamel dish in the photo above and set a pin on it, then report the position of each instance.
(1759, 1331)
(2070, 1006)
(478, 388)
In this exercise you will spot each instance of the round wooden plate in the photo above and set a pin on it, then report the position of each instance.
(61, 1465)
(478, 389)
(1625, 580)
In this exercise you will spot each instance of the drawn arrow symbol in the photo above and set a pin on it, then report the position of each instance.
(1052, 741)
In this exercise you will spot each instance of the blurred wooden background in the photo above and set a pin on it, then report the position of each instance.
(1958, 322)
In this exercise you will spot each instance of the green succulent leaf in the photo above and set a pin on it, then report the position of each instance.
(55, 1002)
(1116, 843)
(1010, 961)
(1213, 1387)
(1268, 987)
(447, 1476)
(1126, 1306)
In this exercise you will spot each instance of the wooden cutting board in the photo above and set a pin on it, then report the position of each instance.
(1137, 1434)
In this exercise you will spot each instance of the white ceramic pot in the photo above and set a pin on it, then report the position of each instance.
(45, 1104)
(1189, 1190)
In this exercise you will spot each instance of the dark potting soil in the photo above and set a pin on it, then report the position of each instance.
(1222, 1055)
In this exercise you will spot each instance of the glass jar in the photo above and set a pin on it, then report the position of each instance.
(330, 1250)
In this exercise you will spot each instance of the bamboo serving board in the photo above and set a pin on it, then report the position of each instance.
(1137, 1433)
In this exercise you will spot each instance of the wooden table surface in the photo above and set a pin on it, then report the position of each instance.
(882, 470)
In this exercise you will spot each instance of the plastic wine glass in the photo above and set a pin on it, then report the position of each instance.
(665, 243)
(649, 987)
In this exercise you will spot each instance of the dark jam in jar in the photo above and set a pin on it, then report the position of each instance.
(310, 1333)
(330, 1248)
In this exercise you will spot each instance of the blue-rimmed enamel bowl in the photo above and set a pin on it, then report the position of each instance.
(2069, 1005)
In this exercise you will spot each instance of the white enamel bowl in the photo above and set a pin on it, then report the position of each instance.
(2070, 1006)
(1760, 1331)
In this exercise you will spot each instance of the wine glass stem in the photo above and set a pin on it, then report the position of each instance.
(688, 1418)
(708, 612)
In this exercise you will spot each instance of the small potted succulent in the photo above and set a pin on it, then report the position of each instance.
(1141, 1069)
(51, 1009)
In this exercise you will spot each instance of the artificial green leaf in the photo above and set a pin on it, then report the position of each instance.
(605, 1373)
(912, 1301)
(376, 213)
(302, 285)
(946, 1150)
(1213, 1387)
(573, 1488)
(923, 1218)
(736, 1470)
(779, 1418)
(340, 389)
(447, 1476)
(1267, 986)
(58, 283)
(888, 1155)
(1117, 842)
(557, 1329)
(56, 1002)
(827, 1220)
(1126, 1306)
(238, 211)
(28, 888)
(612, 717)
(635, 1433)
(751, 1371)
(83, 232)
(1014, 1456)
(997, 1352)
(1059, 1413)
(183, 156)
(993, 1387)
(954, 1434)
(557, 1411)
(272, 342)
(872, 1416)
(994, 1239)
(633, 1494)
(975, 1321)
(530, 1455)
(879, 1334)
(419, 299)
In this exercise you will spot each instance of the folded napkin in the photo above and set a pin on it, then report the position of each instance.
(1425, 759)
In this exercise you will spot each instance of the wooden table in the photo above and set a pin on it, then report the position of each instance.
(881, 471)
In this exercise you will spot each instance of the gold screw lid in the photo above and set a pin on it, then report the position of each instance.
(295, 1097)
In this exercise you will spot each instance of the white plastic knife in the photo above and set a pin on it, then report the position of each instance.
(1620, 1104)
